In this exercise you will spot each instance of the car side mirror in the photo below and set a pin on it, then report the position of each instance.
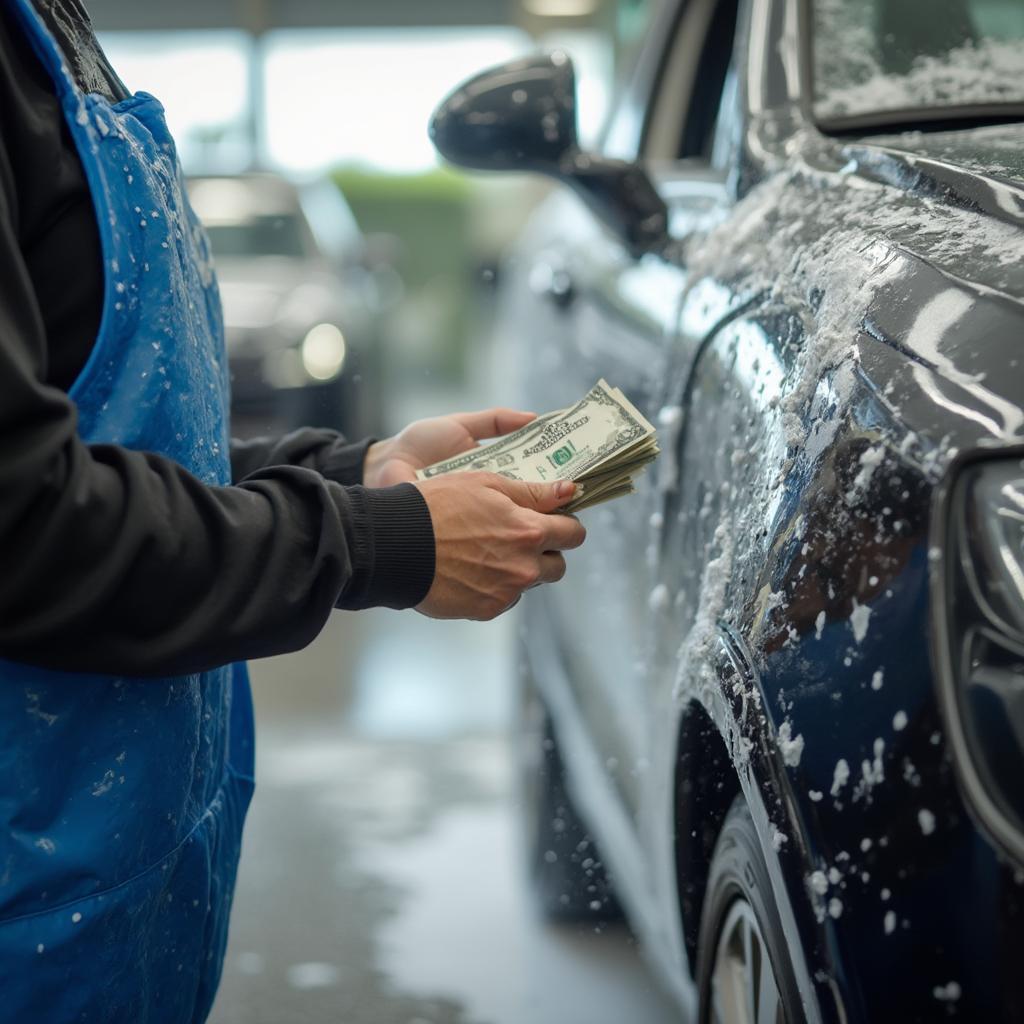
(521, 116)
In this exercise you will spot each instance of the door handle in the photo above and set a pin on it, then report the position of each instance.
(553, 283)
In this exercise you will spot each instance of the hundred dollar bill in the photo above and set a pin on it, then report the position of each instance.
(602, 443)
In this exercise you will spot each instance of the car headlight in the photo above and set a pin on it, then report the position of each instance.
(319, 357)
(323, 352)
(979, 617)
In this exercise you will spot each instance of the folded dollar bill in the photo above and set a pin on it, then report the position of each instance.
(602, 443)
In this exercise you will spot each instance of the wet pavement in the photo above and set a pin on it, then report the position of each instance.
(380, 879)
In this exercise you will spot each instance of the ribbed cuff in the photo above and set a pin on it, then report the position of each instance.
(396, 569)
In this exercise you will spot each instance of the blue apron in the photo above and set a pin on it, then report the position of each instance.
(121, 799)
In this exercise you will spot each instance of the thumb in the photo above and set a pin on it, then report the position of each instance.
(537, 496)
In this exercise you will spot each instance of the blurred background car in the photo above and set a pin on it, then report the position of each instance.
(301, 303)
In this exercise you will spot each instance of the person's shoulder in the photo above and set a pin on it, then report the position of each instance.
(70, 25)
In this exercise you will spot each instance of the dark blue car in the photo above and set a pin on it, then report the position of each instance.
(776, 709)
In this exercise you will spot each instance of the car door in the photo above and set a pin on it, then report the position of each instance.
(619, 319)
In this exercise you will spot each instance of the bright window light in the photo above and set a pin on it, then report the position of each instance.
(202, 79)
(355, 96)
(366, 96)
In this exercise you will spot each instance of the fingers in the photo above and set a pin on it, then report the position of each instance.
(493, 422)
(490, 548)
(552, 568)
(539, 497)
(562, 533)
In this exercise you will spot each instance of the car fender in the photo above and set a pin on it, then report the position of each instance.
(726, 693)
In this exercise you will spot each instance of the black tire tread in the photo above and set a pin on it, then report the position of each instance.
(738, 870)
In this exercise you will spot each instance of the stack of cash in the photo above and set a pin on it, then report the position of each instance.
(602, 443)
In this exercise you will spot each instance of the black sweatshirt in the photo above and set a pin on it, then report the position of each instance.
(120, 561)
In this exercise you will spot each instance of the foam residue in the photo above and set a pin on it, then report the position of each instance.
(791, 747)
(840, 776)
(34, 708)
(696, 647)
(926, 820)
(984, 71)
(859, 620)
(866, 231)
(869, 462)
(105, 784)
(872, 772)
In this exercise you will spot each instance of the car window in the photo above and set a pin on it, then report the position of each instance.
(871, 57)
(257, 236)
(639, 52)
(694, 74)
(251, 215)
(729, 123)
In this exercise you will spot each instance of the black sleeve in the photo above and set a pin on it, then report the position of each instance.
(120, 561)
(326, 451)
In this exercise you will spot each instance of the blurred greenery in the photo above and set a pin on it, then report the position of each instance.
(429, 215)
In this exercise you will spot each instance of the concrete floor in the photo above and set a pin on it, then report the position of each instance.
(380, 880)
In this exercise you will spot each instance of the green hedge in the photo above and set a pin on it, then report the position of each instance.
(430, 214)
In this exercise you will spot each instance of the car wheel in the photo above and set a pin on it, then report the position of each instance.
(566, 870)
(745, 970)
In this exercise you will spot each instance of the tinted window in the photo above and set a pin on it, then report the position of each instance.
(877, 56)
(715, 59)
(259, 236)
(693, 71)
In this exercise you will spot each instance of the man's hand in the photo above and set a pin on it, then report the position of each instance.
(493, 541)
(425, 442)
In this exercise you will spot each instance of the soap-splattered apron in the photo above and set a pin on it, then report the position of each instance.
(122, 799)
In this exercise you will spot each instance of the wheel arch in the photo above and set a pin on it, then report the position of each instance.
(727, 746)
(704, 787)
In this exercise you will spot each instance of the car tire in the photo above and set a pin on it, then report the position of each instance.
(567, 874)
(744, 962)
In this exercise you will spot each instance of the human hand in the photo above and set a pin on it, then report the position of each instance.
(493, 540)
(425, 442)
